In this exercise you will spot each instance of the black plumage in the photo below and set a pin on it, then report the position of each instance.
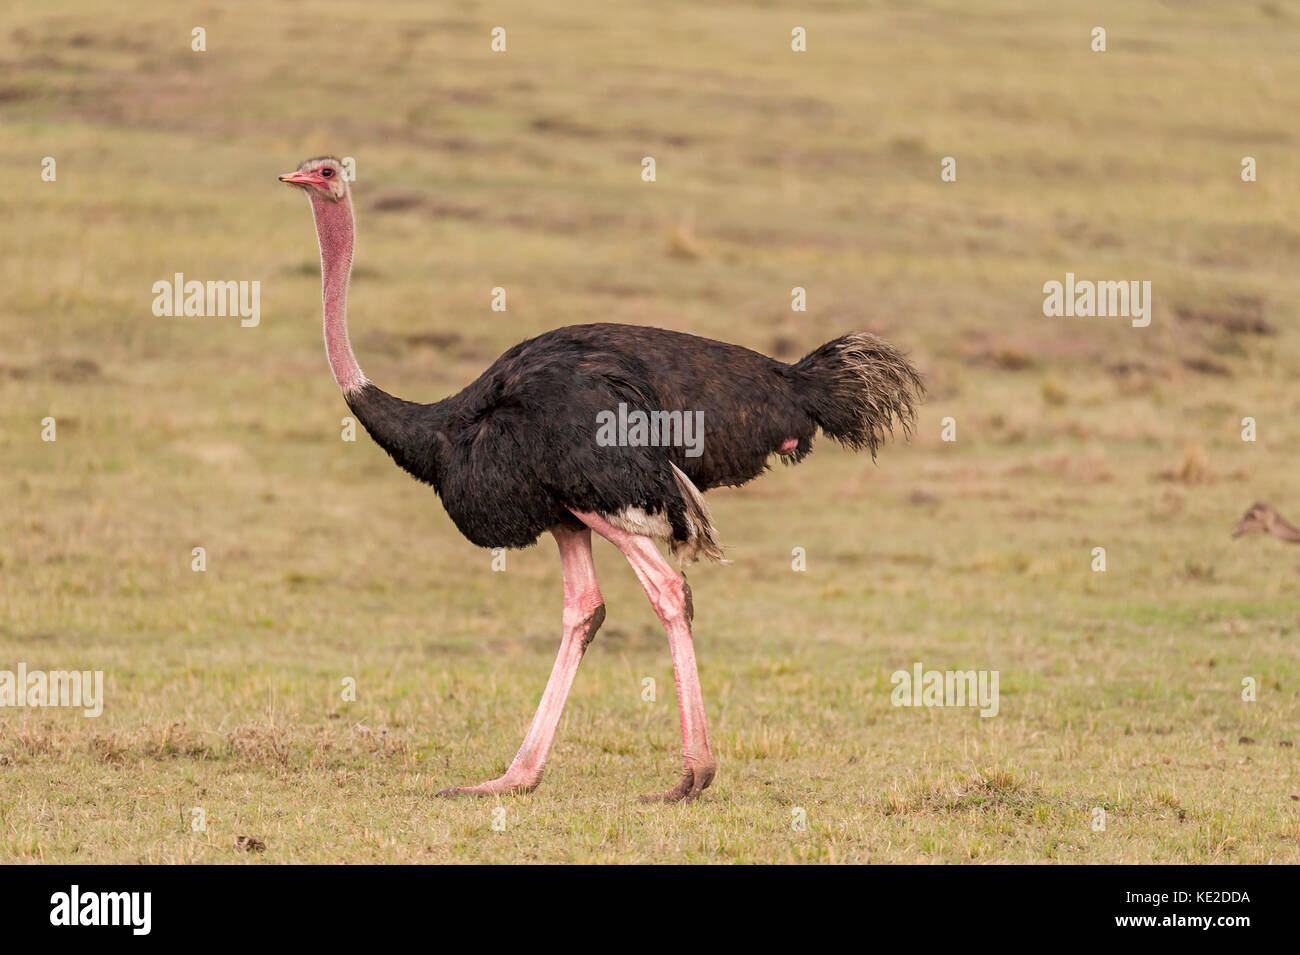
(513, 453)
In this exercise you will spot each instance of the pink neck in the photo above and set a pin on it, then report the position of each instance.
(336, 232)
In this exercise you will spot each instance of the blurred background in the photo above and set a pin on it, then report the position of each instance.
(774, 169)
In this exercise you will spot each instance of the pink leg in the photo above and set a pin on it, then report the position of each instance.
(584, 611)
(670, 595)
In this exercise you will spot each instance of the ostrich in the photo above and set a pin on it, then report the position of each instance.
(518, 453)
(1262, 517)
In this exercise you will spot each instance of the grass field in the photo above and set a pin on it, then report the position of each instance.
(1120, 690)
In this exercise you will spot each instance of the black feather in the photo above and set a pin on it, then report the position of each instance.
(516, 450)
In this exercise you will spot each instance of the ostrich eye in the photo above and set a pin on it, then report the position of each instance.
(327, 172)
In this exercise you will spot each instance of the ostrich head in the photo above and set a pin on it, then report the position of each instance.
(320, 178)
(1260, 517)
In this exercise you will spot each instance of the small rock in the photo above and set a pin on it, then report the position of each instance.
(250, 844)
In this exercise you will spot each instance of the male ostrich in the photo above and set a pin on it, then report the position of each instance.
(517, 453)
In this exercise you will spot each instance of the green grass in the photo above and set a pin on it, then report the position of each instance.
(1119, 690)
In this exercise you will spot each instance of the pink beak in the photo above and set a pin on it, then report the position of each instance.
(302, 179)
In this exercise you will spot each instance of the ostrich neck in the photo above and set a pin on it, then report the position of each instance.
(411, 433)
(336, 231)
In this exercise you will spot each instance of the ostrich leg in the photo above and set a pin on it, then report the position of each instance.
(670, 595)
(584, 611)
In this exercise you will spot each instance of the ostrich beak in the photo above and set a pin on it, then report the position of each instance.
(302, 179)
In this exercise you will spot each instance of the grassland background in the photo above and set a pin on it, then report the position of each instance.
(1119, 690)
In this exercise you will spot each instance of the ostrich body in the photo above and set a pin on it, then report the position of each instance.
(516, 454)
(1263, 519)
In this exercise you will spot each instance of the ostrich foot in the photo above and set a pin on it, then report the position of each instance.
(696, 776)
(502, 786)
